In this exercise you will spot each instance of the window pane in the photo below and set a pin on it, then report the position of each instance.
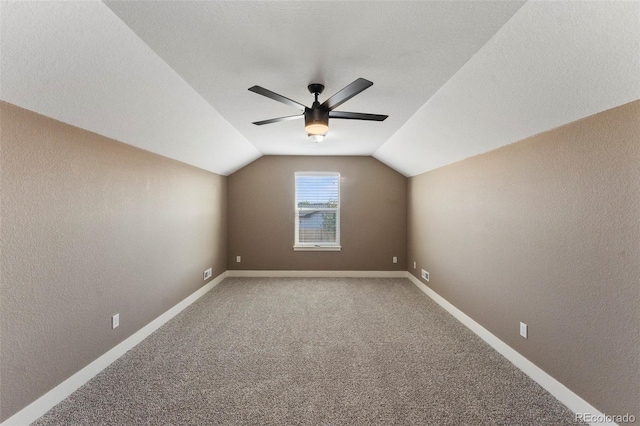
(317, 227)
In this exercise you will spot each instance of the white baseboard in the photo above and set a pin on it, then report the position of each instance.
(322, 274)
(551, 385)
(46, 402)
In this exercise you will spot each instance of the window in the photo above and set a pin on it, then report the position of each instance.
(317, 207)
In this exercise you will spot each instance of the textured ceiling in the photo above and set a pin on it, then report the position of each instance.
(78, 63)
(551, 64)
(408, 49)
(456, 78)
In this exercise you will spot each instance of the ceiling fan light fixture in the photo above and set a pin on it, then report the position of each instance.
(316, 121)
(316, 128)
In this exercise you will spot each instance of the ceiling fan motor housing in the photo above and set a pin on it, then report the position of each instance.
(316, 120)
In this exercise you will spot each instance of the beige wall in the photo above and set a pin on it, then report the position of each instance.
(546, 231)
(372, 215)
(91, 227)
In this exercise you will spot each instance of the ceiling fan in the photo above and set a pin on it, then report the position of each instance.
(316, 118)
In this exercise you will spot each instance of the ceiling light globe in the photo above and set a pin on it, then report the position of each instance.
(316, 138)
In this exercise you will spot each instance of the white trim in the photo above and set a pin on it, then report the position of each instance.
(312, 173)
(551, 385)
(327, 274)
(317, 248)
(50, 399)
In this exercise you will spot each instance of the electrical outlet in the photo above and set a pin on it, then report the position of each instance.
(208, 273)
(524, 330)
(425, 275)
(115, 321)
(238, 259)
(395, 259)
(414, 265)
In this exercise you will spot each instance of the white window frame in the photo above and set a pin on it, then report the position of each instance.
(318, 246)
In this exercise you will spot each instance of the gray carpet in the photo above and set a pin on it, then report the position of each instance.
(311, 351)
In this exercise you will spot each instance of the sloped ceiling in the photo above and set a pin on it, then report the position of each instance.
(551, 64)
(456, 78)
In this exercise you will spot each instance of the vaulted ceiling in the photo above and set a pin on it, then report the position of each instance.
(456, 78)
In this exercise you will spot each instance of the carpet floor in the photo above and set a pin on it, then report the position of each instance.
(311, 351)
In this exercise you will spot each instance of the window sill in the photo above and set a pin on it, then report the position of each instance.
(317, 248)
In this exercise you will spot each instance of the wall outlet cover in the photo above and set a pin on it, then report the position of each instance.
(524, 330)
(208, 273)
(115, 321)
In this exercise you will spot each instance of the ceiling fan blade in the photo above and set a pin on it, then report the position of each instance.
(357, 116)
(277, 120)
(269, 94)
(347, 93)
